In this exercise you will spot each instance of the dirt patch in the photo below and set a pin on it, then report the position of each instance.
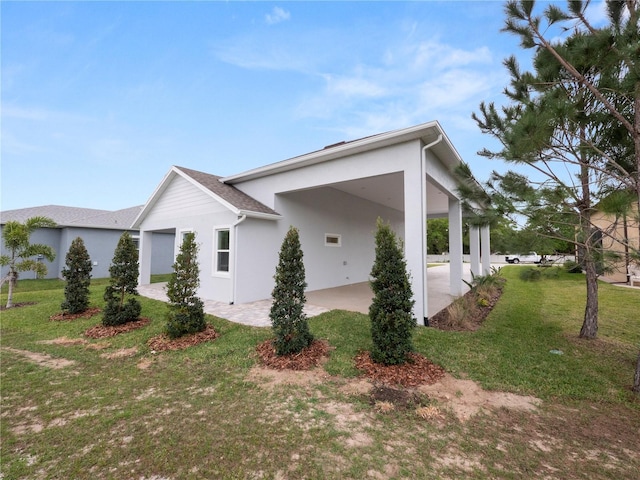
(308, 358)
(400, 398)
(466, 398)
(42, 359)
(100, 331)
(65, 341)
(161, 343)
(64, 316)
(416, 371)
(268, 378)
(121, 353)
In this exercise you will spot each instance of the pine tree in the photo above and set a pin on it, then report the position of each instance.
(122, 285)
(391, 313)
(77, 273)
(186, 310)
(287, 317)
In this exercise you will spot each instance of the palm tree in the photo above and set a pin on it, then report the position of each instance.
(16, 237)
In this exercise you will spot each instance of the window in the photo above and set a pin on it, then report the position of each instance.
(332, 240)
(222, 253)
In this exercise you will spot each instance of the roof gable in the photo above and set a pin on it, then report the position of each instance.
(235, 200)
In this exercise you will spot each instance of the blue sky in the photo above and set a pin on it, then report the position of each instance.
(99, 99)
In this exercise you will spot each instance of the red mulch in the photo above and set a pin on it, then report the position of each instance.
(88, 313)
(100, 331)
(161, 343)
(307, 359)
(416, 371)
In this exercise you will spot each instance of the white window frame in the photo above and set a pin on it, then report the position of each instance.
(337, 236)
(221, 273)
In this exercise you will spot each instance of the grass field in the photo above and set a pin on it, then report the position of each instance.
(73, 407)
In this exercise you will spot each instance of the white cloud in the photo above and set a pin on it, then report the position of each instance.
(277, 15)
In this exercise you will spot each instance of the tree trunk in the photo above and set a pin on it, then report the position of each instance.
(590, 325)
(636, 378)
(13, 278)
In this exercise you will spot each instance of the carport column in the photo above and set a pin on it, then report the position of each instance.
(415, 232)
(455, 247)
(485, 243)
(474, 249)
(144, 258)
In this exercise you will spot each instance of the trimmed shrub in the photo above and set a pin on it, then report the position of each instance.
(122, 306)
(288, 320)
(77, 274)
(572, 267)
(186, 310)
(391, 312)
(530, 274)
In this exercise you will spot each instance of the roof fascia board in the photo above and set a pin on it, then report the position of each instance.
(349, 148)
(153, 198)
(259, 215)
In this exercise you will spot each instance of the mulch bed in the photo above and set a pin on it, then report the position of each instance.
(161, 343)
(100, 331)
(308, 358)
(63, 316)
(441, 319)
(416, 371)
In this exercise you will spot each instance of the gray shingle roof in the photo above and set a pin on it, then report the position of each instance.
(229, 193)
(75, 216)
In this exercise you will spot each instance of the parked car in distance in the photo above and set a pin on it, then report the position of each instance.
(531, 257)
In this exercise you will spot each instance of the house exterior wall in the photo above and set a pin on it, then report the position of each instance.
(382, 161)
(324, 211)
(45, 236)
(100, 244)
(183, 207)
(607, 223)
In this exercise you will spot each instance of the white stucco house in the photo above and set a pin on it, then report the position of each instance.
(334, 197)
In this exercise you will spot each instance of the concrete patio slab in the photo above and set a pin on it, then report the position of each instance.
(356, 298)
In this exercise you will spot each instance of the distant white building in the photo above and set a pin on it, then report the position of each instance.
(333, 196)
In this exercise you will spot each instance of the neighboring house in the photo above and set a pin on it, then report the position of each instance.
(99, 229)
(613, 234)
(333, 196)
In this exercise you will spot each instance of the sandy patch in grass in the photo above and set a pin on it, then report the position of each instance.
(42, 359)
(64, 341)
(269, 378)
(121, 353)
(466, 398)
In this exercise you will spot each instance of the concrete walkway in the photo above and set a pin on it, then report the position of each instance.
(356, 298)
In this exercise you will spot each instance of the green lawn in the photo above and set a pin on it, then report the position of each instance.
(121, 411)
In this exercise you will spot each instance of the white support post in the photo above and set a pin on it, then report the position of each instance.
(485, 245)
(455, 247)
(474, 249)
(144, 259)
(415, 221)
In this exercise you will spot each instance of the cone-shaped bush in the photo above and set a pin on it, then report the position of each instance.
(186, 310)
(122, 306)
(77, 274)
(287, 317)
(391, 313)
